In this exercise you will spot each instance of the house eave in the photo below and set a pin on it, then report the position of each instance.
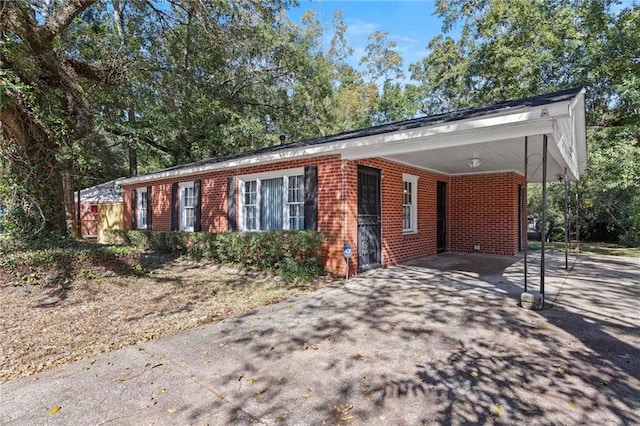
(502, 124)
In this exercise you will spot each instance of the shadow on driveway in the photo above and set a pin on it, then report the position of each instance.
(440, 340)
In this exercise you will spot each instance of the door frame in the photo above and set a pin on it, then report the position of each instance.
(443, 218)
(378, 174)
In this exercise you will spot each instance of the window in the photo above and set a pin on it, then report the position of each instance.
(187, 206)
(142, 208)
(272, 201)
(296, 202)
(409, 204)
(251, 205)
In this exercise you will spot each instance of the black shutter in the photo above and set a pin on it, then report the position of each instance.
(231, 203)
(197, 199)
(134, 209)
(149, 207)
(311, 198)
(175, 207)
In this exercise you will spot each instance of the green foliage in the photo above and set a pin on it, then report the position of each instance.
(292, 253)
(131, 87)
(509, 49)
(381, 58)
(443, 77)
(57, 266)
(199, 79)
(395, 104)
(607, 249)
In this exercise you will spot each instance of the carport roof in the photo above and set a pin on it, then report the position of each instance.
(446, 143)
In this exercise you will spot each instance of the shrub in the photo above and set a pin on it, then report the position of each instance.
(60, 265)
(292, 253)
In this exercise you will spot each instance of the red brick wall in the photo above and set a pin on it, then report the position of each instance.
(397, 247)
(483, 210)
(214, 202)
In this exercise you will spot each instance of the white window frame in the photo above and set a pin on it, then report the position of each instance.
(259, 177)
(243, 204)
(287, 212)
(413, 180)
(141, 211)
(182, 186)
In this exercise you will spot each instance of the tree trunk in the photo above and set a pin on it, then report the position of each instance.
(133, 146)
(44, 104)
(34, 181)
(69, 199)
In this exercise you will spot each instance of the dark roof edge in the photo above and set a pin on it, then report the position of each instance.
(458, 115)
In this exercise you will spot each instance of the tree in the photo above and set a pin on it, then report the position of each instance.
(511, 49)
(443, 77)
(190, 79)
(382, 60)
(353, 100)
(393, 102)
(44, 109)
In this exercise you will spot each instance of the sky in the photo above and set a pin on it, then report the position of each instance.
(411, 24)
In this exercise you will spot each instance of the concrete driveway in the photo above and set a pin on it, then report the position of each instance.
(440, 340)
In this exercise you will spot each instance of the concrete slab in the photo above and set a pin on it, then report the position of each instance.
(440, 340)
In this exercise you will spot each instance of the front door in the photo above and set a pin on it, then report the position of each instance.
(369, 219)
(441, 237)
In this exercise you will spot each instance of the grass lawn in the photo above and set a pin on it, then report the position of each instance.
(63, 305)
(596, 248)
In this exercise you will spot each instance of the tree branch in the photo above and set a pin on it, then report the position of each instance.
(64, 16)
(16, 19)
(149, 140)
(105, 75)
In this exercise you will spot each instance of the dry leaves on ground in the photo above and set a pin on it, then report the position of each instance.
(43, 326)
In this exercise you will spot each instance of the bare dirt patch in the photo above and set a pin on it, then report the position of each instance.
(99, 309)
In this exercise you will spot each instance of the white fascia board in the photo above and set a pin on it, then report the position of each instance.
(298, 171)
(578, 115)
(564, 147)
(230, 164)
(468, 137)
(570, 138)
(449, 134)
(532, 116)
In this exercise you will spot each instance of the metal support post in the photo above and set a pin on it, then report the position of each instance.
(544, 214)
(526, 183)
(577, 222)
(566, 220)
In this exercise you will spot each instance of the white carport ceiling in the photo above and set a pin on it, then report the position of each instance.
(495, 156)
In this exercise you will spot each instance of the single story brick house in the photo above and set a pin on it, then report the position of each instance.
(448, 182)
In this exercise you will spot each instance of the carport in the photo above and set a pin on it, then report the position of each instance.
(542, 139)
